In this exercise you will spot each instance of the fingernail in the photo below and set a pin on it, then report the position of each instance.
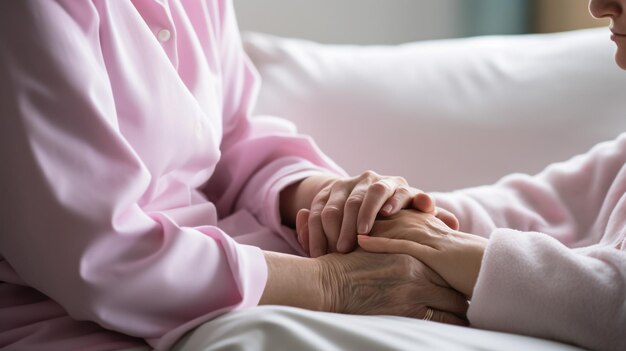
(387, 208)
(364, 228)
(363, 237)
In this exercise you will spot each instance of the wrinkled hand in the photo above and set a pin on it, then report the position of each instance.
(349, 206)
(375, 284)
(455, 255)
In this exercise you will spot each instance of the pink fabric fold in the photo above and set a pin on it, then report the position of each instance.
(127, 146)
(555, 265)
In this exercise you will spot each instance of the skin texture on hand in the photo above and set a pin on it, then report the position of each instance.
(341, 208)
(456, 256)
(391, 284)
(349, 206)
(362, 283)
(294, 281)
(420, 202)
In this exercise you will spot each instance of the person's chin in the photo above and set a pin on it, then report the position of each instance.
(620, 53)
(620, 58)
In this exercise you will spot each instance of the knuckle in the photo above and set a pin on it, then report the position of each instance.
(355, 200)
(318, 203)
(401, 180)
(322, 194)
(369, 174)
(379, 187)
(316, 208)
(330, 213)
(338, 184)
(432, 222)
(315, 215)
(405, 266)
(403, 192)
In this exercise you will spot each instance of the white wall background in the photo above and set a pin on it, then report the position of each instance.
(355, 21)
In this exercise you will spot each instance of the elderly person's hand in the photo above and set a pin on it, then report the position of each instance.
(455, 255)
(390, 284)
(341, 208)
(362, 283)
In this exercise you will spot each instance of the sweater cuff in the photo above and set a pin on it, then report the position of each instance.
(517, 290)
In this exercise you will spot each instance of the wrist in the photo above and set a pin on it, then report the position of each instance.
(471, 249)
(293, 281)
(457, 256)
(333, 281)
(299, 195)
(478, 247)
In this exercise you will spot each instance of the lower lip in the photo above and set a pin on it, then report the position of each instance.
(616, 37)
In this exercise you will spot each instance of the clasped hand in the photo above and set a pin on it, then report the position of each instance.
(455, 255)
(347, 207)
(393, 284)
(367, 283)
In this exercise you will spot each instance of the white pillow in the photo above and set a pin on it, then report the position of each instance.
(447, 114)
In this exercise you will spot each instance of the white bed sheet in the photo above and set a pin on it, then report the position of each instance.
(285, 328)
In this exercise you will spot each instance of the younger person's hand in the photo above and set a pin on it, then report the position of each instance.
(454, 255)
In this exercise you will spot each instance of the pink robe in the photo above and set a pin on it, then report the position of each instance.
(113, 114)
(560, 271)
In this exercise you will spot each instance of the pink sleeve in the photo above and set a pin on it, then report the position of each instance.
(531, 284)
(559, 269)
(76, 229)
(261, 155)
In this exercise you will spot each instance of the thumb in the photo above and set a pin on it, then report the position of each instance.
(424, 202)
(448, 218)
